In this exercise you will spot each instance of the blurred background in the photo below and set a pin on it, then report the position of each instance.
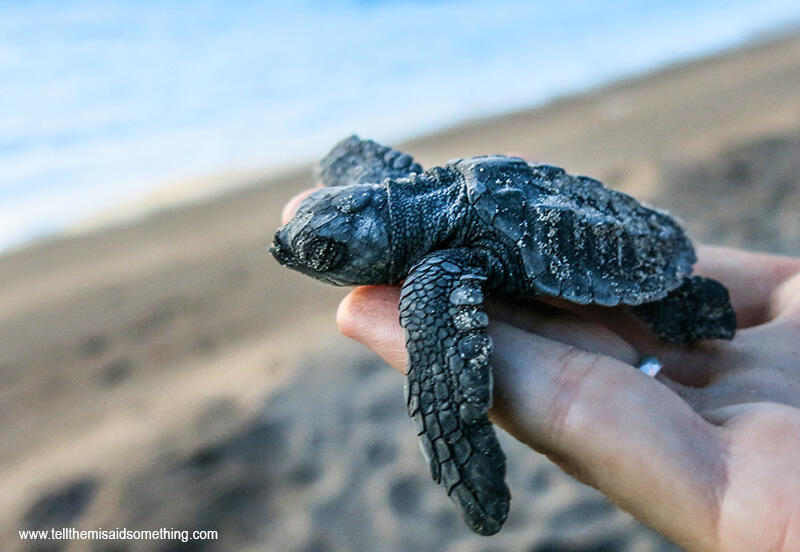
(159, 370)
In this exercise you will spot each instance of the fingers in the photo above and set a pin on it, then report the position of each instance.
(369, 315)
(751, 279)
(603, 421)
(580, 331)
(786, 299)
(611, 427)
(293, 204)
(688, 365)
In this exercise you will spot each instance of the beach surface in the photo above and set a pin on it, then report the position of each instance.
(165, 372)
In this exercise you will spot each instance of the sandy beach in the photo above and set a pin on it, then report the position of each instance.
(166, 372)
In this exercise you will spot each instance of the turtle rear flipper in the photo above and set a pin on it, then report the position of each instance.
(357, 161)
(449, 384)
(699, 309)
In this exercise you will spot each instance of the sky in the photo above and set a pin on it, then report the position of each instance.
(105, 101)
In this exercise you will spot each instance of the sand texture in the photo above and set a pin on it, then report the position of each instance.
(166, 372)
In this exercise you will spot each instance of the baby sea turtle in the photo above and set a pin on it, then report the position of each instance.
(490, 224)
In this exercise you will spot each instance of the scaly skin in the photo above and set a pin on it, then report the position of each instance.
(449, 384)
(489, 224)
(356, 161)
(699, 309)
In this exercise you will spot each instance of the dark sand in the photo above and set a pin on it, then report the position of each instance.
(167, 373)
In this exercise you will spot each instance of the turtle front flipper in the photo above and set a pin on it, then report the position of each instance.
(700, 308)
(357, 161)
(449, 384)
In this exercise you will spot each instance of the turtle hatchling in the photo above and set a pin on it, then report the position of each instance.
(488, 225)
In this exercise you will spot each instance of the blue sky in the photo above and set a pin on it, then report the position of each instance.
(103, 101)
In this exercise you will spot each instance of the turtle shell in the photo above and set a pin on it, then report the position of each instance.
(576, 238)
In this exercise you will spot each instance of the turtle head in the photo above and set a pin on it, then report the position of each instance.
(339, 235)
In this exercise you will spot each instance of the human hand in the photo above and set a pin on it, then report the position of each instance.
(707, 453)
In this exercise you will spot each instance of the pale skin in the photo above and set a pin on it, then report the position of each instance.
(707, 453)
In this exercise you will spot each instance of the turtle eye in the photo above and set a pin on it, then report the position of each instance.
(323, 254)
